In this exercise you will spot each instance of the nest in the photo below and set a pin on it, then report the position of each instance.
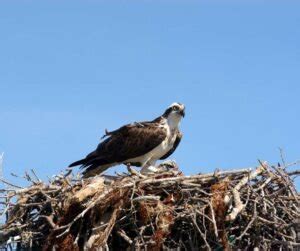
(236, 209)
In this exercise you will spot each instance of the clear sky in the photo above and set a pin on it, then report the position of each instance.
(70, 69)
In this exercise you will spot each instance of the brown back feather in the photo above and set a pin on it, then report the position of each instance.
(131, 141)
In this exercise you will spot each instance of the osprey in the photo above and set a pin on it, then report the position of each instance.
(138, 144)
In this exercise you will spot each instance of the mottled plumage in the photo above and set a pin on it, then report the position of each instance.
(138, 144)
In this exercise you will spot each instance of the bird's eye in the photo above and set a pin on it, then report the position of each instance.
(175, 108)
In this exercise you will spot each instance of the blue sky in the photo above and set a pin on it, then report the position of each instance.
(70, 69)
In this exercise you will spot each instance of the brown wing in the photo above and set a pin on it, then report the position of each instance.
(176, 143)
(127, 142)
(131, 141)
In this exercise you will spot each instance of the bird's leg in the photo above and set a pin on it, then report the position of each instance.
(149, 167)
(133, 172)
(130, 170)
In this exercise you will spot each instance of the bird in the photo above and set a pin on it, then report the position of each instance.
(138, 144)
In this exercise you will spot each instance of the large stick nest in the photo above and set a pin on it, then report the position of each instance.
(237, 209)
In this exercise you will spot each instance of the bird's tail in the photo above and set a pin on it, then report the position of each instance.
(95, 169)
(78, 162)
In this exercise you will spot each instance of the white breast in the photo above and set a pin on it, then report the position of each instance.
(165, 146)
(159, 151)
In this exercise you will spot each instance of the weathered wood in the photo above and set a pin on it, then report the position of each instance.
(254, 208)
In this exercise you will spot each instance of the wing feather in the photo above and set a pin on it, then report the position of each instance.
(131, 141)
(127, 142)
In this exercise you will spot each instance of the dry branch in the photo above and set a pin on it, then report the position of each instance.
(236, 209)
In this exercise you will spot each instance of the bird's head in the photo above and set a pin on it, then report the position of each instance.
(174, 113)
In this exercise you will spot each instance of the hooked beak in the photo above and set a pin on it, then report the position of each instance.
(182, 113)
